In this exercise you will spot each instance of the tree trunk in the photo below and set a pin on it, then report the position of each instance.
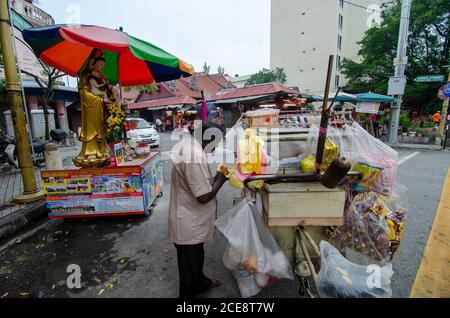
(46, 113)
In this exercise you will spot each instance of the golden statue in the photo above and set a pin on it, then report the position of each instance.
(94, 90)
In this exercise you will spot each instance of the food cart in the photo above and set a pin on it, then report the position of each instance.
(312, 197)
(130, 188)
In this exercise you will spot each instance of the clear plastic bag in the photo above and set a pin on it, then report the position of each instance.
(374, 226)
(339, 278)
(360, 147)
(253, 254)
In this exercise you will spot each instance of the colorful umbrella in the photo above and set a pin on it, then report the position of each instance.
(129, 61)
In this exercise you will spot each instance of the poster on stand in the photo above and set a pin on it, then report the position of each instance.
(367, 107)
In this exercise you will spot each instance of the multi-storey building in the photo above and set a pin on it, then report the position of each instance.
(305, 32)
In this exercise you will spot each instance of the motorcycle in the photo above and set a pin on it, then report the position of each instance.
(8, 150)
(8, 153)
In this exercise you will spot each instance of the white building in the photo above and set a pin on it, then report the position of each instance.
(238, 81)
(304, 33)
(35, 15)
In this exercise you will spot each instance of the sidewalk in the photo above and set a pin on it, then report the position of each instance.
(11, 184)
(433, 277)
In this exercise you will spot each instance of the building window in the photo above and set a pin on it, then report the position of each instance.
(341, 21)
(339, 42)
(336, 81)
(338, 62)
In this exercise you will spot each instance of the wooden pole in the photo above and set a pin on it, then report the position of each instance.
(325, 118)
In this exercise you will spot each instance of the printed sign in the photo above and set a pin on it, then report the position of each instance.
(367, 107)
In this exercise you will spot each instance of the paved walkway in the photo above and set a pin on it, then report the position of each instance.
(433, 277)
(11, 181)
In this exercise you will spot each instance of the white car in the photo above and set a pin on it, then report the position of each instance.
(142, 132)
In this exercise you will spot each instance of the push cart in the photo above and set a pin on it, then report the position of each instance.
(299, 211)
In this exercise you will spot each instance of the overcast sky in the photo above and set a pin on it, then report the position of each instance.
(232, 33)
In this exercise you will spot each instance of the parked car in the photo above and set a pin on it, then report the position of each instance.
(141, 131)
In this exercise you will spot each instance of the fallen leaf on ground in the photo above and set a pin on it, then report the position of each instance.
(122, 261)
(110, 286)
(101, 292)
(54, 286)
(4, 295)
(24, 294)
(18, 241)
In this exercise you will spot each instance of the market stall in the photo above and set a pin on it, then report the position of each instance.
(129, 189)
(114, 178)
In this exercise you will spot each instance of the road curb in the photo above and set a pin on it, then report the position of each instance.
(416, 147)
(22, 219)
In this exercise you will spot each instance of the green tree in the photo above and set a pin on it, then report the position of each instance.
(428, 52)
(267, 76)
(47, 86)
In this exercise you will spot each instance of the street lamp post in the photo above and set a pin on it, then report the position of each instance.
(400, 67)
(14, 92)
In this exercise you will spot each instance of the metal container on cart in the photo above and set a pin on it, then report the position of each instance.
(128, 189)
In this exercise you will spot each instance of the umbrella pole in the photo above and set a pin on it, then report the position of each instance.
(325, 119)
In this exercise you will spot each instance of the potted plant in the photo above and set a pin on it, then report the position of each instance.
(426, 137)
(405, 123)
(420, 133)
(414, 126)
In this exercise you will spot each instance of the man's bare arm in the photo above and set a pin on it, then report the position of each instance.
(219, 181)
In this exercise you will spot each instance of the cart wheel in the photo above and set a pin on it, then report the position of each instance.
(160, 195)
(149, 212)
(306, 289)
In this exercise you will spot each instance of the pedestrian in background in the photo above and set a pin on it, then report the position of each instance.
(159, 125)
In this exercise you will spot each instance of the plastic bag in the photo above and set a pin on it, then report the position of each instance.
(339, 278)
(308, 164)
(365, 229)
(360, 147)
(254, 256)
(308, 158)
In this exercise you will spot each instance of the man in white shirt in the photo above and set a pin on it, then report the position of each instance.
(192, 214)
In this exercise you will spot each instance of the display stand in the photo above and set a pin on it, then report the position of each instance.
(128, 189)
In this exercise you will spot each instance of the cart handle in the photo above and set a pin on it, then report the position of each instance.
(295, 178)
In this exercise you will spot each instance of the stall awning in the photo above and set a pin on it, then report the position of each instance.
(60, 92)
(375, 98)
(245, 99)
(253, 91)
(163, 103)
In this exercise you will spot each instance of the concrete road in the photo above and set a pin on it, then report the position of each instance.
(131, 257)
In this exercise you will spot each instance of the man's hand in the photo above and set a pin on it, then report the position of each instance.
(220, 178)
